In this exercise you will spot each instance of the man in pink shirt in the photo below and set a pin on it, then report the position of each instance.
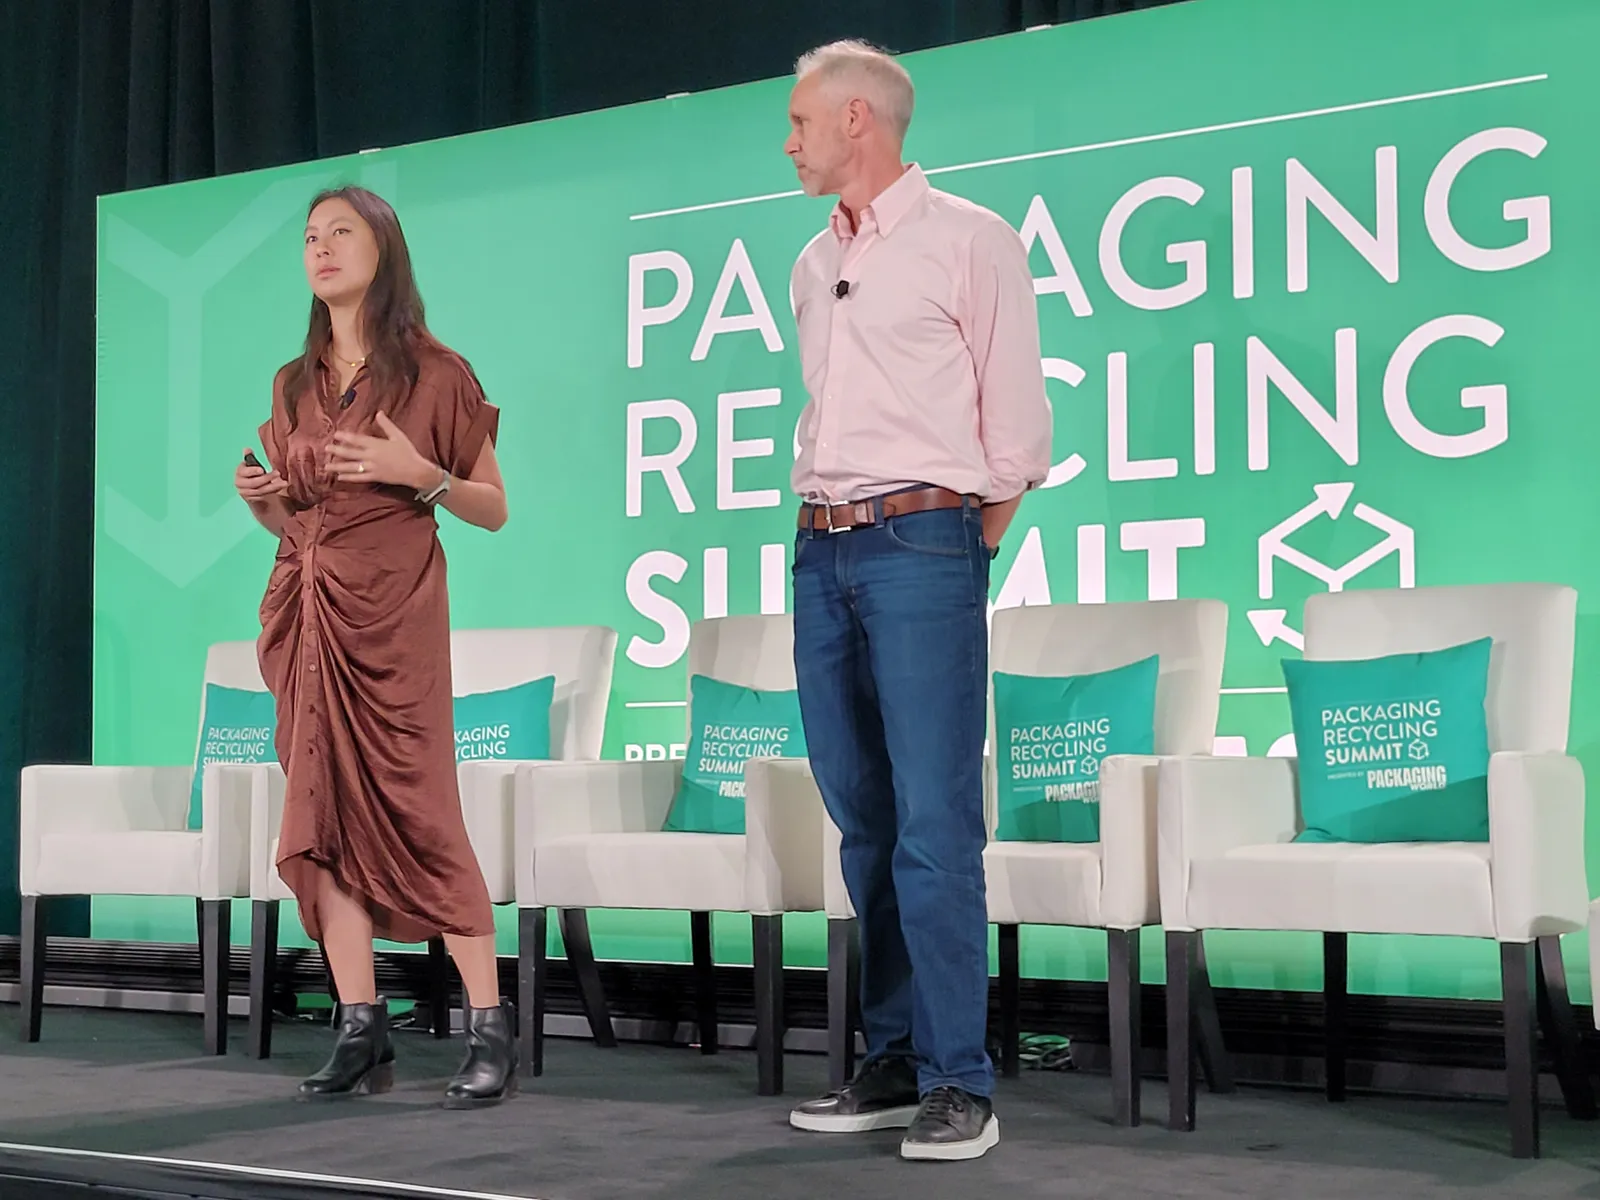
(927, 421)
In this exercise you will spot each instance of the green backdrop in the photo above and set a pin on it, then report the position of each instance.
(1315, 295)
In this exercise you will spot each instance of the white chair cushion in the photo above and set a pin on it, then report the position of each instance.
(139, 863)
(1440, 888)
(700, 872)
(1043, 883)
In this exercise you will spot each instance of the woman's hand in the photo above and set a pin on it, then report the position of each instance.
(387, 458)
(256, 486)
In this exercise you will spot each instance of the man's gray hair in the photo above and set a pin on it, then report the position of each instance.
(853, 69)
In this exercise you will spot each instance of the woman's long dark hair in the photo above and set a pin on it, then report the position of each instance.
(392, 321)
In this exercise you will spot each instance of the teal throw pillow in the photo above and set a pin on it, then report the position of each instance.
(236, 726)
(728, 726)
(1393, 749)
(1052, 734)
(513, 723)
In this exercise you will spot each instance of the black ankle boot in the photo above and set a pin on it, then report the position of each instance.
(362, 1059)
(489, 1074)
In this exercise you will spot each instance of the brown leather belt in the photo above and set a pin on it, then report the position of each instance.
(837, 518)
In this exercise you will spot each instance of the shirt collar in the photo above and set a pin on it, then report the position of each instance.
(888, 208)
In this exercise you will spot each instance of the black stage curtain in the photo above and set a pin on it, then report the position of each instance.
(101, 96)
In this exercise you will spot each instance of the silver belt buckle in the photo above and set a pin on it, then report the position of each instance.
(832, 528)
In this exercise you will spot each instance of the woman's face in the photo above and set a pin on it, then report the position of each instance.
(341, 253)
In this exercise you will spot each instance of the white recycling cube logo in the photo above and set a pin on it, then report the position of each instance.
(1271, 624)
(1088, 766)
(1418, 750)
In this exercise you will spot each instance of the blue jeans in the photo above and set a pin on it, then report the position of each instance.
(891, 657)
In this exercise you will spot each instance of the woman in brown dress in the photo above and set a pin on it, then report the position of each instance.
(374, 426)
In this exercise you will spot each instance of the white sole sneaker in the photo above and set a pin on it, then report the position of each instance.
(883, 1118)
(986, 1141)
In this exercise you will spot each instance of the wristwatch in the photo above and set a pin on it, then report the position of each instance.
(433, 494)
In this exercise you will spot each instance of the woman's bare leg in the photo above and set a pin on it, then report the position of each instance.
(347, 941)
(480, 974)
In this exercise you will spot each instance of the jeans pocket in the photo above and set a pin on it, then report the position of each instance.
(942, 533)
(801, 540)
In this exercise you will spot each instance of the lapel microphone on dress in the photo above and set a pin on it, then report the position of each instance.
(349, 398)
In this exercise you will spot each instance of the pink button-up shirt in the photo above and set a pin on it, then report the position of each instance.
(927, 370)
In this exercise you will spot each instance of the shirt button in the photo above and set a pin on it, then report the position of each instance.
(312, 667)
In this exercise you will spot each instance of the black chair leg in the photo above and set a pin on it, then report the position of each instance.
(580, 956)
(532, 957)
(33, 955)
(844, 982)
(1181, 971)
(263, 969)
(1122, 995)
(1010, 967)
(438, 987)
(1335, 1011)
(768, 945)
(1214, 1060)
(1517, 983)
(705, 981)
(1561, 1032)
(215, 942)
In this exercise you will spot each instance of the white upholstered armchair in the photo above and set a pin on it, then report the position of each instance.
(1110, 884)
(1228, 859)
(581, 658)
(125, 831)
(590, 835)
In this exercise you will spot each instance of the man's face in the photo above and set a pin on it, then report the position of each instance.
(817, 141)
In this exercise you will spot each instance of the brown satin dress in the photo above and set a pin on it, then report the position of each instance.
(355, 647)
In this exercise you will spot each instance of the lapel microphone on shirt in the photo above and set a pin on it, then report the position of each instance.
(841, 289)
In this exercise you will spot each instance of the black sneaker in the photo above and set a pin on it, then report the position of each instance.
(883, 1095)
(951, 1125)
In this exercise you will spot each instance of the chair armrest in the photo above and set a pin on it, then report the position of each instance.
(570, 799)
(226, 820)
(1130, 893)
(90, 799)
(783, 817)
(1536, 857)
(488, 791)
(1211, 805)
(267, 784)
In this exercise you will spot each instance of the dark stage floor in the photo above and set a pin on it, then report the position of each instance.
(641, 1122)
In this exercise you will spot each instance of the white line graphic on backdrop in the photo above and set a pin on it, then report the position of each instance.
(1139, 140)
(1271, 624)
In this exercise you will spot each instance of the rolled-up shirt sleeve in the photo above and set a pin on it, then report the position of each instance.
(1000, 318)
